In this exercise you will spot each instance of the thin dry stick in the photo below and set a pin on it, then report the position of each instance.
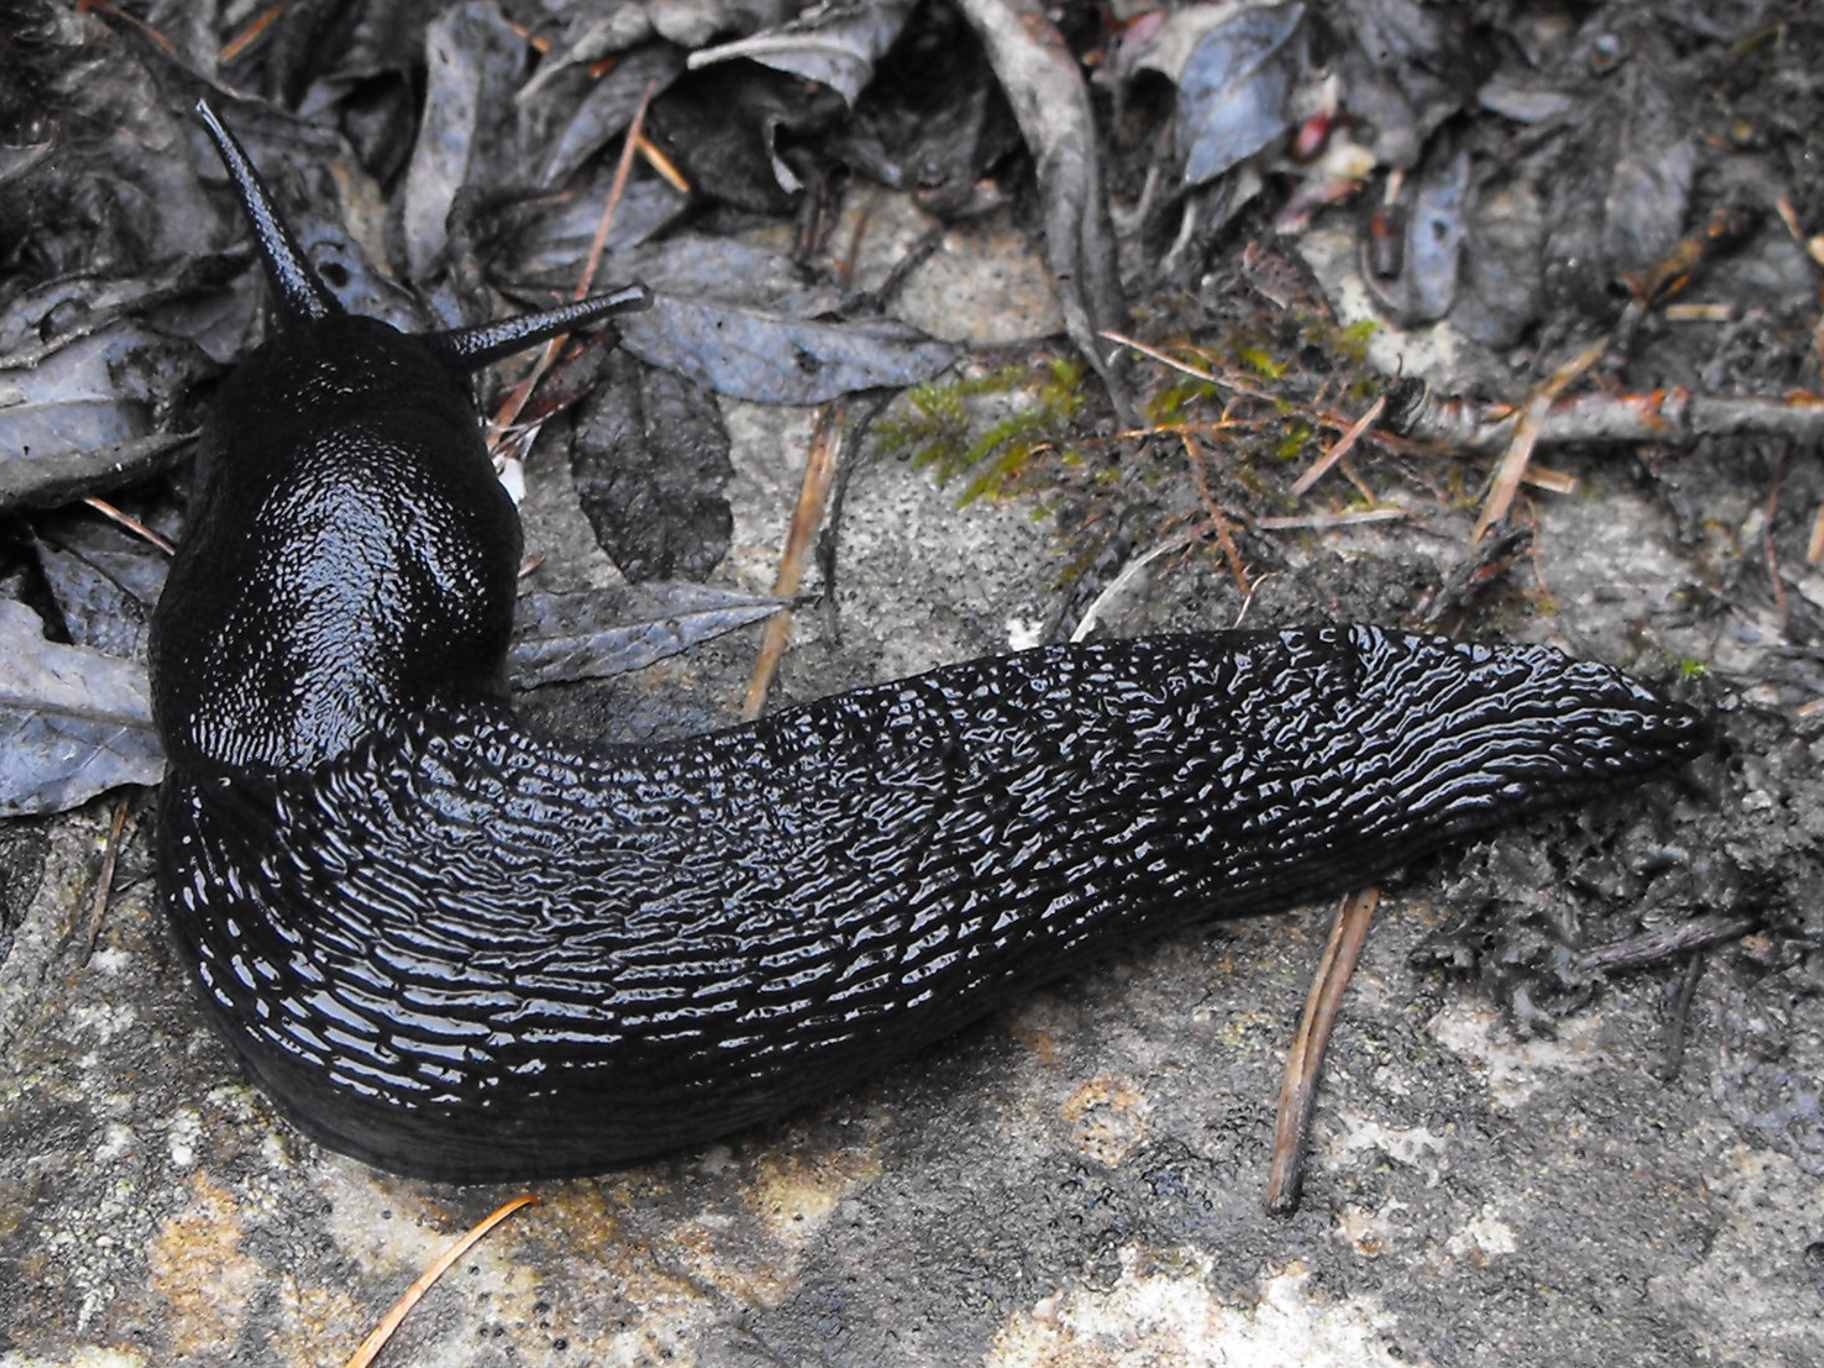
(1194, 372)
(1341, 449)
(1298, 1090)
(1552, 481)
(667, 169)
(807, 515)
(131, 523)
(1348, 471)
(536, 41)
(1410, 444)
(103, 7)
(375, 1342)
(1447, 425)
(1093, 614)
(1526, 437)
(813, 494)
(1674, 1058)
(1225, 537)
(1664, 417)
(516, 399)
(1813, 245)
(104, 881)
(245, 39)
(1700, 933)
(1326, 520)
(1814, 548)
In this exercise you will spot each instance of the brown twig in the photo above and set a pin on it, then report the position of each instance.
(1298, 1090)
(1526, 436)
(104, 881)
(1227, 382)
(1669, 417)
(1225, 537)
(667, 170)
(131, 523)
(1346, 468)
(813, 493)
(1679, 1026)
(103, 7)
(1654, 946)
(1674, 271)
(1483, 564)
(1406, 440)
(1341, 449)
(376, 1341)
(247, 37)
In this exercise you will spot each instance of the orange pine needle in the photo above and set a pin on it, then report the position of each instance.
(1341, 449)
(376, 1341)
(131, 523)
(248, 36)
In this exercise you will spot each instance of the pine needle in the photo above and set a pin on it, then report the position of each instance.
(376, 1341)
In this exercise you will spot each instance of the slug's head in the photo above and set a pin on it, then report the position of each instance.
(350, 555)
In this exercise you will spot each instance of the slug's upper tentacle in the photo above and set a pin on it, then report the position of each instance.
(471, 348)
(469, 952)
(301, 294)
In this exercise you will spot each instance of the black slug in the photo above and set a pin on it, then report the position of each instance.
(457, 948)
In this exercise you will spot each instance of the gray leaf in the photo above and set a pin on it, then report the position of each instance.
(1232, 93)
(599, 633)
(85, 415)
(473, 58)
(746, 354)
(649, 456)
(73, 722)
(836, 45)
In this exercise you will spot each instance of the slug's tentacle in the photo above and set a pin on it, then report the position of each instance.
(303, 298)
(469, 349)
(469, 952)
(301, 294)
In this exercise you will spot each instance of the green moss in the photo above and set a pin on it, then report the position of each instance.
(938, 432)
(934, 429)
(1689, 668)
(1353, 340)
(1260, 362)
(1292, 444)
(1175, 402)
(1016, 431)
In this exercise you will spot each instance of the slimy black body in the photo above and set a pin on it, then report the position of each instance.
(457, 948)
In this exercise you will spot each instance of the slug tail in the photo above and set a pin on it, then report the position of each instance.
(302, 297)
(469, 349)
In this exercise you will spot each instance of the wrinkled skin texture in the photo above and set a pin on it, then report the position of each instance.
(467, 951)
(456, 948)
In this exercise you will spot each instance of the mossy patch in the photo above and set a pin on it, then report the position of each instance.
(938, 433)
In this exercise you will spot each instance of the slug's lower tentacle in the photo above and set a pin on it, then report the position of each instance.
(468, 952)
